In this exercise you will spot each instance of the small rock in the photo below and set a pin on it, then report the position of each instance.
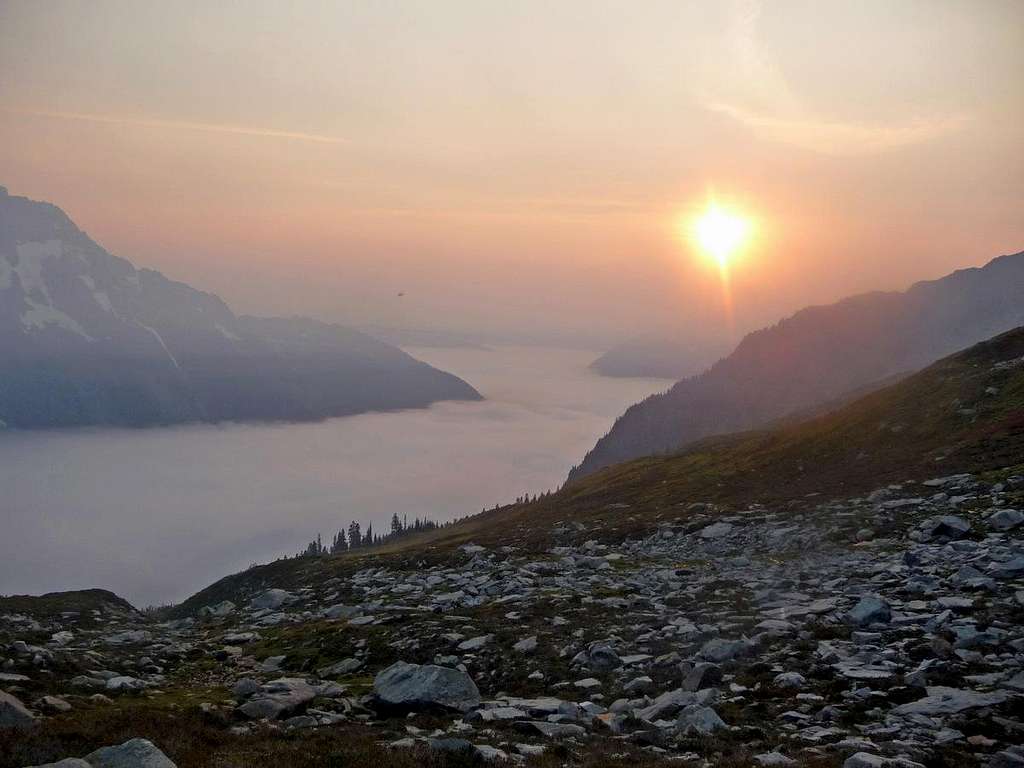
(527, 645)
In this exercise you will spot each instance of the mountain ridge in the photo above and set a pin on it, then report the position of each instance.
(86, 339)
(818, 354)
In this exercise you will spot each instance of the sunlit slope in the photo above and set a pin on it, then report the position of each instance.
(964, 413)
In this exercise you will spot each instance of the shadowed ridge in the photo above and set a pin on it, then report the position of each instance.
(819, 354)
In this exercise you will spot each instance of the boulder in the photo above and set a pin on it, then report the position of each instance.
(1005, 519)
(601, 657)
(870, 610)
(703, 675)
(946, 526)
(341, 611)
(244, 688)
(670, 703)
(790, 680)
(137, 753)
(220, 610)
(526, 645)
(773, 760)
(13, 713)
(552, 730)
(343, 667)
(719, 650)
(699, 720)
(53, 704)
(125, 683)
(416, 686)
(867, 760)
(1011, 569)
(272, 599)
(278, 698)
(475, 643)
(949, 701)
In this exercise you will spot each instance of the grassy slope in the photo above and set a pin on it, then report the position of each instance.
(942, 420)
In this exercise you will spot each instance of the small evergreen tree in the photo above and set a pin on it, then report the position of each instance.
(340, 543)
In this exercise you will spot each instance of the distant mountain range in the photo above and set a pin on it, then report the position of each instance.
(818, 355)
(86, 338)
(663, 355)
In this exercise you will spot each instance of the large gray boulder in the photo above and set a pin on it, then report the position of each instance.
(1011, 569)
(278, 698)
(137, 753)
(949, 701)
(1005, 519)
(699, 720)
(272, 599)
(415, 686)
(719, 650)
(13, 713)
(870, 610)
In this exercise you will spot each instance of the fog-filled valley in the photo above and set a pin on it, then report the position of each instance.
(144, 512)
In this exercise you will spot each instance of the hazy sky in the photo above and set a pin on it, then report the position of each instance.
(521, 166)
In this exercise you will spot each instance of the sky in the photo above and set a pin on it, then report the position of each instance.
(520, 169)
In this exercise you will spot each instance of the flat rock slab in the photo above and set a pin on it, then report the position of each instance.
(278, 698)
(415, 686)
(948, 701)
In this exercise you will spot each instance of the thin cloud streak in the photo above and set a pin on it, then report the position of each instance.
(148, 122)
(781, 116)
(843, 138)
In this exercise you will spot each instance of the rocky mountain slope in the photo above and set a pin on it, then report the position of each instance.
(818, 355)
(87, 339)
(845, 591)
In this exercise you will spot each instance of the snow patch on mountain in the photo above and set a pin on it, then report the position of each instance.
(160, 339)
(228, 334)
(43, 315)
(101, 296)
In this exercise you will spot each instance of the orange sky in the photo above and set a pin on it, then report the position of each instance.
(518, 167)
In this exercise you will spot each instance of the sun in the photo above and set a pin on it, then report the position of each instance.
(720, 233)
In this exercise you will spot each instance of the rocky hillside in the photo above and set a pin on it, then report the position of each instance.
(844, 591)
(818, 355)
(883, 630)
(87, 339)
